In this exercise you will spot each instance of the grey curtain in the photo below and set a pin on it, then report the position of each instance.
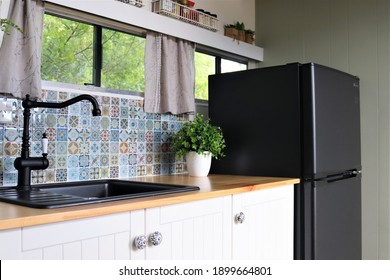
(169, 74)
(20, 53)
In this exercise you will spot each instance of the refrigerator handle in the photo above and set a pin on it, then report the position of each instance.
(345, 175)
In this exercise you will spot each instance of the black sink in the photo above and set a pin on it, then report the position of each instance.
(87, 192)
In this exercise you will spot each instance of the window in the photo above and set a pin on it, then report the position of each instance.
(231, 66)
(67, 51)
(123, 61)
(206, 65)
(80, 53)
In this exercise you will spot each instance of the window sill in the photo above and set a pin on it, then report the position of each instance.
(146, 19)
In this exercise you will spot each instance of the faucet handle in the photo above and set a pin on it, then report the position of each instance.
(45, 143)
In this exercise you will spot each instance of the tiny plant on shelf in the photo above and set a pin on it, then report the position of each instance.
(249, 36)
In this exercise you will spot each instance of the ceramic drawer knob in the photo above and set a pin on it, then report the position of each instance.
(141, 241)
(156, 238)
(240, 217)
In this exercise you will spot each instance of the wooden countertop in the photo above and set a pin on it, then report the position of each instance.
(14, 216)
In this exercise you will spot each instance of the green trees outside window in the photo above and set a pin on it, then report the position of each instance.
(70, 55)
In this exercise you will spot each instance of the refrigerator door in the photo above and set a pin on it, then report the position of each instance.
(337, 219)
(331, 121)
(259, 113)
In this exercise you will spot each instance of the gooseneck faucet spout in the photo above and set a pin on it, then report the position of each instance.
(24, 164)
(28, 104)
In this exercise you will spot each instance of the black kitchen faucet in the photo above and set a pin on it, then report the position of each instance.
(24, 164)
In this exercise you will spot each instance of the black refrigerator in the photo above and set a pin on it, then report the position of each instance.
(302, 121)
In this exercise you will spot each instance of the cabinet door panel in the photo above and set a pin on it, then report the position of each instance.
(192, 230)
(267, 232)
(65, 232)
(53, 253)
(10, 244)
(90, 249)
(72, 251)
(137, 227)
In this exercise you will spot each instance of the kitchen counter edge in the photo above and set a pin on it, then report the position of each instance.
(14, 216)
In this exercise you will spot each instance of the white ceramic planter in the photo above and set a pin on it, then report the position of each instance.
(198, 165)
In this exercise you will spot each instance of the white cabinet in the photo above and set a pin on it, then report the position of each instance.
(202, 229)
(268, 229)
(192, 230)
(104, 237)
(207, 229)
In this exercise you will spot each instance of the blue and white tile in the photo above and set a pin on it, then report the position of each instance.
(73, 161)
(94, 173)
(94, 161)
(114, 136)
(85, 134)
(36, 148)
(124, 112)
(95, 135)
(84, 173)
(62, 121)
(123, 159)
(84, 148)
(114, 160)
(8, 164)
(105, 147)
(133, 124)
(63, 96)
(11, 134)
(73, 174)
(62, 134)
(51, 120)
(104, 160)
(95, 148)
(61, 175)
(10, 179)
(114, 172)
(114, 148)
(75, 109)
(84, 160)
(105, 122)
(74, 134)
(85, 109)
(61, 161)
(62, 148)
(133, 171)
(123, 136)
(85, 122)
(124, 124)
(124, 171)
(132, 159)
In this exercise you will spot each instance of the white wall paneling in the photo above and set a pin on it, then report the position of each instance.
(352, 36)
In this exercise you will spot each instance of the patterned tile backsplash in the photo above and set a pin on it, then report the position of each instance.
(124, 142)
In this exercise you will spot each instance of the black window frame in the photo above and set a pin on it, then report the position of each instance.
(97, 41)
(98, 51)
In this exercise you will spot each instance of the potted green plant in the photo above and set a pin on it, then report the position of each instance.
(249, 36)
(198, 141)
(231, 31)
(240, 26)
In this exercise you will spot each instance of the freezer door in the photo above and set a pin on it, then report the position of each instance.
(337, 219)
(259, 113)
(331, 121)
